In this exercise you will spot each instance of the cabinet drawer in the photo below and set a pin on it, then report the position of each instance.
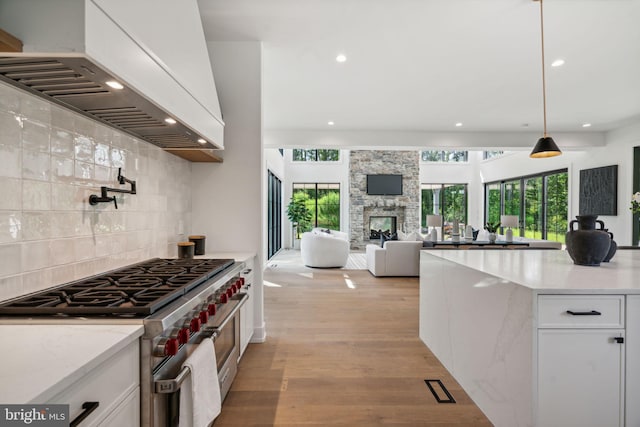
(589, 311)
(108, 384)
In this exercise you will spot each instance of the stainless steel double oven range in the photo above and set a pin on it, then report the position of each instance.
(180, 302)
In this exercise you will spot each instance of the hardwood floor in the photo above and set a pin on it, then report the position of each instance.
(342, 349)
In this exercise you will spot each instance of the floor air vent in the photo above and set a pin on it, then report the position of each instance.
(441, 390)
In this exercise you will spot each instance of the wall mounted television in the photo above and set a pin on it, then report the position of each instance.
(384, 185)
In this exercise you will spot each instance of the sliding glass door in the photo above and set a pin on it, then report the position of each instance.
(274, 214)
(448, 200)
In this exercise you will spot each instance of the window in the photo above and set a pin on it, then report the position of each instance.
(448, 200)
(274, 214)
(540, 201)
(315, 155)
(491, 154)
(323, 200)
(445, 156)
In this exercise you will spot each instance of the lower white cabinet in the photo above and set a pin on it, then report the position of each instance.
(114, 385)
(581, 360)
(632, 386)
(580, 377)
(246, 311)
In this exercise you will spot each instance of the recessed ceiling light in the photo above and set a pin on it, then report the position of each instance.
(114, 84)
(202, 141)
(557, 63)
(586, 125)
(341, 58)
(458, 124)
(170, 121)
(330, 123)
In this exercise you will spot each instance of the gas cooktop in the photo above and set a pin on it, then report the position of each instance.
(132, 291)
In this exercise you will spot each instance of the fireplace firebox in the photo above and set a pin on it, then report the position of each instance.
(382, 225)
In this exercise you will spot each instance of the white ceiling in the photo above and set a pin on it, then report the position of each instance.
(423, 65)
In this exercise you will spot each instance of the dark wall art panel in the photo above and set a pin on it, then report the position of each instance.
(599, 191)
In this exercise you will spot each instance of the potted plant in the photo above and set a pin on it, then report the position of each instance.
(492, 228)
(300, 218)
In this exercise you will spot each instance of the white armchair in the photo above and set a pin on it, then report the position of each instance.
(321, 249)
(397, 258)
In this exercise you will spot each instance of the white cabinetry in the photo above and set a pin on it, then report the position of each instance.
(114, 384)
(580, 360)
(246, 311)
(632, 397)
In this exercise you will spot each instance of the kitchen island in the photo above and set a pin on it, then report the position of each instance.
(534, 339)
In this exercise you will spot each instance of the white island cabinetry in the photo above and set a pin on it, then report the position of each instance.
(534, 339)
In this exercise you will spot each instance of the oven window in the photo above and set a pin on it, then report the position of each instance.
(225, 342)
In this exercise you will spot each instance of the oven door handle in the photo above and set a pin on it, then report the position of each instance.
(233, 312)
(172, 385)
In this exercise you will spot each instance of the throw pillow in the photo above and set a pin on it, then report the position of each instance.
(326, 231)
(384, 237)
(403, 236)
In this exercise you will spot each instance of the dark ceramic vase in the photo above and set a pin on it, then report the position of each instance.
(587, 245)
(612, 249)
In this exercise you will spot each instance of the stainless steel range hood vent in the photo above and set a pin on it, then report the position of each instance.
(78, 84)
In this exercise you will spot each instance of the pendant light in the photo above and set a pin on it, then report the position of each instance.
(546, 146)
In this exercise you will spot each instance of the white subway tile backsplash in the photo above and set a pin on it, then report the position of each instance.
(52, 161)
(83, 148)
(102, 155)
(10, 259)
(35, 255)
(62, 169)
(36, 195)
(11, 156)
(11, 286)
(35, 165)
(11, 129)
(35, 136)
(62, 251)
(10, 226)
(11, 191)
(85, 248)
(83, 173)
(62, 143)
(36, 225)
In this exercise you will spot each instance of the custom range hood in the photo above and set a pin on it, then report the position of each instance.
(108, 60)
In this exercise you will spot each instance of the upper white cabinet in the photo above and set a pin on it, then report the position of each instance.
(156, 48)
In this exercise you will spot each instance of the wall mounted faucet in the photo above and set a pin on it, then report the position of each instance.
(94, 199)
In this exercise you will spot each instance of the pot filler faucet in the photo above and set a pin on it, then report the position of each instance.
(94, 199)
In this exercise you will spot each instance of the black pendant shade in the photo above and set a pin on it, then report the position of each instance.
(545, 147)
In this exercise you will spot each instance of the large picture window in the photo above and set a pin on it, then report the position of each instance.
(274, 214)
(323, 200)
(315, 155)
(444, 156)
(448, 200)
(540, 201)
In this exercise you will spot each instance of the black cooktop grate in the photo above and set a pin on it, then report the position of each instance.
(136, 290)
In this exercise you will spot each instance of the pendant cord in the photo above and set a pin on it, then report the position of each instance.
(544, 86)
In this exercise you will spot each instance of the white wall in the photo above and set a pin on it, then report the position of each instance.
(52, 160)
(228, 200)
(311, 172)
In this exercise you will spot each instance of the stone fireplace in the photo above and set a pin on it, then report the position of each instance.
(363, 207)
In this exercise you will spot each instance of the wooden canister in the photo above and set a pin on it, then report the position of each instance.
(199, 242)
(186, 249)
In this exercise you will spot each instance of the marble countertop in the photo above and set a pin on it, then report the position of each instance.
(551, 270)
(43, 360)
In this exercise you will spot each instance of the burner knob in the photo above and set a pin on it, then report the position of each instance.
(240, 282)
(204, 316)
(211, 308)
(234, 289)
(171, 347)
(195, 324)
(183, 335)
(229, 292)
(223, 298)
